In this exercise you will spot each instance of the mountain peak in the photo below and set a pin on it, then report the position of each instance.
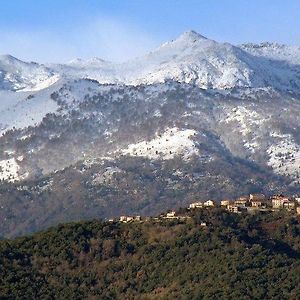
(186, 39)
(94, 61)
(191, 36)
(8, 58)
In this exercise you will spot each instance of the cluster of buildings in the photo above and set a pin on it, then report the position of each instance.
(254, 202)
(127, 219)
(251, 203)
(169, 215)
(208, 203)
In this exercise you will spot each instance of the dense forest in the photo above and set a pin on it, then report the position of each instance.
(232, 257)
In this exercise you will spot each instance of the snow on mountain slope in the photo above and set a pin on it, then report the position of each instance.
(165, 146)
(9, 99)
(247, 122)
(194, 59)
(23, 109)
(191, 58)
(95, 68)
(244, 117)
(284, 155)
(9, 170)
(16, 75)
(275, 51)
(192, 118)
(94, 62)
(42, 84)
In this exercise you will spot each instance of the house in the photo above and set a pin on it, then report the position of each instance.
(195, 205)
(225, 203)
(123, 219)
(289, 205)
(241, 202)
(234, 209)
(278, 201)
(257, 197)
(256, 203)
(209, 203)
(203, 224)
(126, 219)
(171, 215)
(297, 199)
(137, 218)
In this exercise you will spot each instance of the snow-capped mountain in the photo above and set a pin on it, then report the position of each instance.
(16, 75)
(30, 92)
(191, 58)
(195, 59)
(193, 118)
(274, 51)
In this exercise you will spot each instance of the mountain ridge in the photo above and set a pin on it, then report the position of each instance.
(208, 254)
(191, 58)
(192, 119)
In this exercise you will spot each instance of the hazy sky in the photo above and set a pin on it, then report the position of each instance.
(61, 30)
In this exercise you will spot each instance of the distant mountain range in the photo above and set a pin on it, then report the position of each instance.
(191, 59)
(192, 119)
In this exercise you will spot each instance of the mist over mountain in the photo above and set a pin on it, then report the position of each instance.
(192, 119)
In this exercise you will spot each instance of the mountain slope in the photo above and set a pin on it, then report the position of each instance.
(194, 59)
(191, 58)
(233, 257)
(219, 118)
(275, 51)
(81, 119)
(124, 149)
(17, 75)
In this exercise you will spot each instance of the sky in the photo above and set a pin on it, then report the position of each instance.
(118, 30)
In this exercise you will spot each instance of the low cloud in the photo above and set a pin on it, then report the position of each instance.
(102, 37)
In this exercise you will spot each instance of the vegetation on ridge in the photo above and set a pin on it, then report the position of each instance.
(233, 257)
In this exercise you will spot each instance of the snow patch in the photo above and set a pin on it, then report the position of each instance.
(9, 170)
(43, 84)
(290, 54)
(107, 175)
(245, 117)
(28, 111)
(284, 155)
(166, 146)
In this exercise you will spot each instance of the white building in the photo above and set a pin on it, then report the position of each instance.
(233, 208)
(123, 219)
(297, 199)
(279, 200)
(195, 205)
(209, 203)
(126, 219)
(225, 202)
(171, 215)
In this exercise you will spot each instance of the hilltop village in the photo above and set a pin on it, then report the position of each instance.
(252, 203)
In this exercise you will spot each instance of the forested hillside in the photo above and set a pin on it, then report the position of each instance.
(232, 257)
